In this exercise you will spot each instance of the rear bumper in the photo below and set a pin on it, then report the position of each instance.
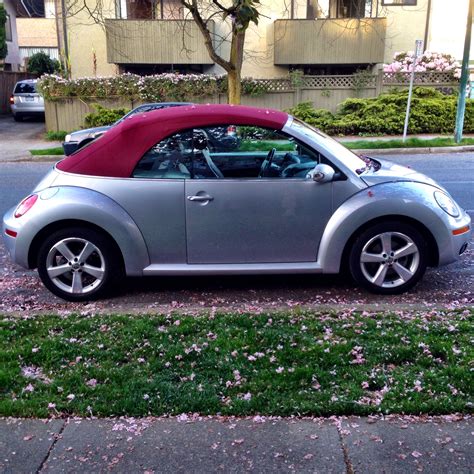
(27, 109)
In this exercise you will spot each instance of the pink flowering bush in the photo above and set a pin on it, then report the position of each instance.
(427, 62)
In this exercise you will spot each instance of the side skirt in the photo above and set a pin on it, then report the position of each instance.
(233, 269)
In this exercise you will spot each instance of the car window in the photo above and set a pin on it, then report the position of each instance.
(171, 158)
(251, 152)
(25, 88)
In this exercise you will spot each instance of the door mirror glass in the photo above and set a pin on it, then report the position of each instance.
(321, 173)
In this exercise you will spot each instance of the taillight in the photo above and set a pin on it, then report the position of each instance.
(25, 205)
(12, 99)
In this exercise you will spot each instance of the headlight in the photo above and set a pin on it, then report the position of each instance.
(446, 203)
(68, 138)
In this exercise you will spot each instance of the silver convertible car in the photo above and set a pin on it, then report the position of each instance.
(150, 197)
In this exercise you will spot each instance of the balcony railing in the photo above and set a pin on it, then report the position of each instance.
(341, 41)
(155, 42)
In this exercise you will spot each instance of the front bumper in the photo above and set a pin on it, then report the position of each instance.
(454, 245)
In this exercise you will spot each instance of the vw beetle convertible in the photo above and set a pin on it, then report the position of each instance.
(150, 197)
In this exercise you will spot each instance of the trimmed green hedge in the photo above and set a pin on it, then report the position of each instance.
(431, 112)
(104, 116)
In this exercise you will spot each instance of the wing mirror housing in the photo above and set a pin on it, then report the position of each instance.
(321, 173)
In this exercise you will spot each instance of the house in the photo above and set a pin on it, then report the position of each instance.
(316, 36)
(37, 28)
(12, 60)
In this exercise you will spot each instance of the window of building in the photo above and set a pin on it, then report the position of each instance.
(328, 9)
(390, 3)
(149, 9)
(8, 29)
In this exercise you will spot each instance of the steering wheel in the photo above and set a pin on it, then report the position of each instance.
(267, 162)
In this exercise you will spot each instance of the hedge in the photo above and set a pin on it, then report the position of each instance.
(431, 112)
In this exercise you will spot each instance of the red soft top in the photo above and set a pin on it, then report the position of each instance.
(117, 152)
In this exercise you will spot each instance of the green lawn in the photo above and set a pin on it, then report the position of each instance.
(300, 363)
(409, 143)
(48, 151)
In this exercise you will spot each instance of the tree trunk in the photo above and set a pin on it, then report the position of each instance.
(236, 59)
(234, 87)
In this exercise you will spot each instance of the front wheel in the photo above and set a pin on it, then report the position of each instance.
(388, 258)
(78, 264)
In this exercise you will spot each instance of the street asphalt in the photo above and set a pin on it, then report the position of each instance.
(191, 444)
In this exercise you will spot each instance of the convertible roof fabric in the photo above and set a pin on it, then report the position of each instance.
(118, 151)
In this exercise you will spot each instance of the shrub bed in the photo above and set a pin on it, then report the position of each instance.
(431, 112)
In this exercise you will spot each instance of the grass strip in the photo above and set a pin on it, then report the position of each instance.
(48, 151)
(299, 363)
(409, 143)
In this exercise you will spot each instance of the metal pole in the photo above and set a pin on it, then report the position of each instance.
(418, 50)
(464, 78)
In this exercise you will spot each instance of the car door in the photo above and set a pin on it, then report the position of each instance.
(249, 215)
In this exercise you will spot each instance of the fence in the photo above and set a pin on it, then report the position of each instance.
(325, 92)
(7, 83)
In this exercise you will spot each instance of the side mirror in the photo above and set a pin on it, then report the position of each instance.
(321, 173)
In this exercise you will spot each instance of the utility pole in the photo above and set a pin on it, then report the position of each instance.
(464, 78)
(418, 52)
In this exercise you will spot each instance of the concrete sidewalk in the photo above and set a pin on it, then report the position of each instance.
(184, 444)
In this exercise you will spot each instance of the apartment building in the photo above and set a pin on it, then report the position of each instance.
(36, 24)
(12, 60)
(316, 36)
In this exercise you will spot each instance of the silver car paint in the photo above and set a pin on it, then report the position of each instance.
(148, 218)
(79, 204)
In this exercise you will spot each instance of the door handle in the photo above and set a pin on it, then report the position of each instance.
(202, 198)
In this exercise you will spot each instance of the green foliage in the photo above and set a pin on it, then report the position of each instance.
(40, 63)
(319, 118)
(431, 112)
(3, 33)
(58, 136)
(104, 116)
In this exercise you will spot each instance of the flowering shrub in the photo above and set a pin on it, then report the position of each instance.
(159, 87)
(427, 62)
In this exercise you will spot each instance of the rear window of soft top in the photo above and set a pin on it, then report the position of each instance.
(25, 88)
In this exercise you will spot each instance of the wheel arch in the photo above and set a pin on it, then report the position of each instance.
(432, 246)
(63, 224)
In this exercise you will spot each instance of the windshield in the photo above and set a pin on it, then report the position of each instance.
(350, 159)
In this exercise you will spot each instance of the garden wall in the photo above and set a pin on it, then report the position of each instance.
(325, 92)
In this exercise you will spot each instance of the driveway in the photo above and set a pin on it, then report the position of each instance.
(17, 138)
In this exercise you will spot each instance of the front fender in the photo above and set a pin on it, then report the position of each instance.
(395, 199)
(74, 203)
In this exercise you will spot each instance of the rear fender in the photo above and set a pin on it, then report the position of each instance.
(73, 203)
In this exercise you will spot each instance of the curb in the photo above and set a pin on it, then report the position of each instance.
(414, 151)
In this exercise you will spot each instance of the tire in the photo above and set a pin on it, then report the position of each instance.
(375, 265)
(18, 118)
(72, 278)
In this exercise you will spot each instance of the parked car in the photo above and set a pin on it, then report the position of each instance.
(151, 198)
(26, 101)
(75, 140)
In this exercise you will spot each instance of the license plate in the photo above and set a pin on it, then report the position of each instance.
(30, 99)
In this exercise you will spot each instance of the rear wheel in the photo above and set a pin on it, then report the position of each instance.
(78, 264)
(18, 118)
(388, 258)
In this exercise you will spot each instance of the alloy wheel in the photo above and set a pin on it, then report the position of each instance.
(389, 259)
(75, 265)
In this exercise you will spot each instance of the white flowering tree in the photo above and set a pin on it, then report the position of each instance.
(238, 14)
(427, 62)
